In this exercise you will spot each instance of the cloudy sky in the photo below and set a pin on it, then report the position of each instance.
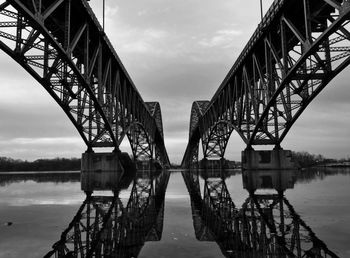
(175, 52)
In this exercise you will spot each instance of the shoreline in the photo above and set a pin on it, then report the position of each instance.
(39, 172)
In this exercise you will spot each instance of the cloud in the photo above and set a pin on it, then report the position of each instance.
(43, 141)
(148, 42)
(111, 11)
(221, 39)
(155, 34)
(34, 148)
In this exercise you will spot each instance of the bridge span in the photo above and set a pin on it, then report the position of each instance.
(266, 225)
(112, 225)
(296, 50)
(72, 58)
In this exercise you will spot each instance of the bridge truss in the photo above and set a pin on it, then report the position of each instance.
(72, 58)
(265, 226)
(105, 227)
(297, 49)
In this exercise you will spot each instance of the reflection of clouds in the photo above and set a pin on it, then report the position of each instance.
(177, 196)
(32, 193)
(20, 202)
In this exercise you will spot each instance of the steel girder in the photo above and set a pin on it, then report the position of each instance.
(197, 111)
(190, 159)
(284, 233)
(215, 140)
(90, 224)
(297, 49)
(141, 146)
(191, 153)
(104, 227)
(154, 109)
(72, 58)
(160, 151)
(265, 226)
(213, 213)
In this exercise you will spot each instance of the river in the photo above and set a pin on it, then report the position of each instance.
(153, 214)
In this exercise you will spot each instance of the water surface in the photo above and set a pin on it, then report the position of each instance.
(37, 208)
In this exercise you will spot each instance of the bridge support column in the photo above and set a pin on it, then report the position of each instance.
(213, 164)
(267, 159)
(100, 171)
(280, 180)
(150, 164)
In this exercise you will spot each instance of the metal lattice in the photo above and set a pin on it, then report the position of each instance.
(297, 49)
(265, 226)
(104, 227)
(72, 58)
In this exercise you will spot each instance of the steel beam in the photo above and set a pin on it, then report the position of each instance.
(266, 225)
(72, 58)
(296, 50)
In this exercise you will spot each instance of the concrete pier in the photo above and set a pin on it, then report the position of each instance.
(213, 164)
(267, 159)
(148, 165)
(100, 171)
(280, 180)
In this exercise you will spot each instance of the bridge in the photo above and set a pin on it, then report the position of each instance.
(72, 58)
(296, 50)
(105, 226)
(266, 225)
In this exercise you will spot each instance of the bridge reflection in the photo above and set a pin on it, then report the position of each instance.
(109, 226)
(266, 225)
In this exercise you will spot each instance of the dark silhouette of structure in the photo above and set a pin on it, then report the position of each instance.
(72, 58)
(104, 226)
(265, 226)
(296, 50)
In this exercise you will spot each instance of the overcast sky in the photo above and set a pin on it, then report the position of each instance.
(175, 52)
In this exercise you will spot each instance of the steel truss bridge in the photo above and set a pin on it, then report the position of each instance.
(104, 226)
(296, 50)
(72, 58)
(265, 226)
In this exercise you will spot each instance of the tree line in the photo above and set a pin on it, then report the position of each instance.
(10, 178)
(56, 164)
(305, 159)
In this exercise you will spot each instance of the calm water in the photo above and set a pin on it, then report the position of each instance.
(215, 214)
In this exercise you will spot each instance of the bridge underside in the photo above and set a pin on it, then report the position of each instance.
(297, 49)
(72, 58)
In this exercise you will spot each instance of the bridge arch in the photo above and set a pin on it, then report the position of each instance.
(159, 150)
(56, 66)
(72, 58)
(197, 110)
(143, 141)
(297, 49)
(215, 140)
(140, 142)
